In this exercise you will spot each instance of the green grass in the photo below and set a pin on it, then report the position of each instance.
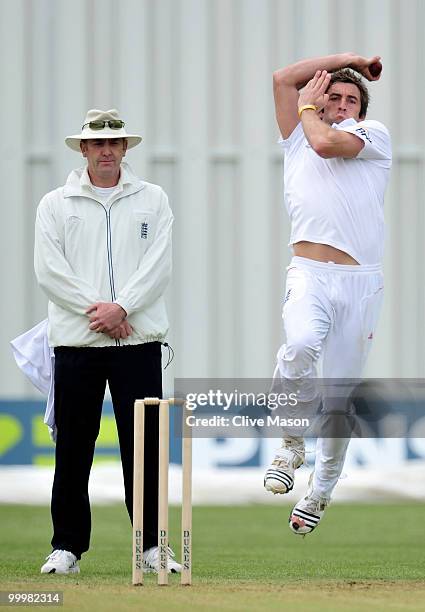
(245, 558)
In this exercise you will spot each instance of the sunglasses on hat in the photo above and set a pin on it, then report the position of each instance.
(114, 124)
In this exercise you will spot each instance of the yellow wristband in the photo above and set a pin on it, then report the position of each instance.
(306, 107)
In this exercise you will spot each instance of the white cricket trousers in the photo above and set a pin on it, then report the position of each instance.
(330, 313)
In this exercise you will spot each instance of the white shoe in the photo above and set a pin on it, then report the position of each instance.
(61, 562)
(151, 561)
(307, 513)
(279, 477)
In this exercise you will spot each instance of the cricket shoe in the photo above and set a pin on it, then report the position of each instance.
(307, 513)
(151, 561)
(279, 477)
(61, 562)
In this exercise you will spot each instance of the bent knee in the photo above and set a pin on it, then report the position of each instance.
(302, 347)
(297, 357)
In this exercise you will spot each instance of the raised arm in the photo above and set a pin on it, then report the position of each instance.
(288, 81)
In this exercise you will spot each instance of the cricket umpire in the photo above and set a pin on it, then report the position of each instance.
(336, 170)
(103, 258)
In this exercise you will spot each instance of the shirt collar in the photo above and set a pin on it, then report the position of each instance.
(346, 123)
(78, 182)
(86, 183)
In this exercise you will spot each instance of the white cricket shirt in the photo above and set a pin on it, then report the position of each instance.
(338, 201)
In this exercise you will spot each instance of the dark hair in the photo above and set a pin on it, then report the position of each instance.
(348, 76)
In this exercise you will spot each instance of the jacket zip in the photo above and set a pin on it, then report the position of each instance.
(109, 251)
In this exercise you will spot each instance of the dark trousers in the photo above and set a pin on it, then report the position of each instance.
(133, 372)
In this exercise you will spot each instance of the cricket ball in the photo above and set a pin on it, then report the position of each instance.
(375, 69)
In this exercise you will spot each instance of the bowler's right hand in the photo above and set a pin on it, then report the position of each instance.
(361, 65)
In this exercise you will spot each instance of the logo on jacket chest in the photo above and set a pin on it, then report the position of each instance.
(144, 228)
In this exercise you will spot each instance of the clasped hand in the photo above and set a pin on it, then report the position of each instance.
(110, 319)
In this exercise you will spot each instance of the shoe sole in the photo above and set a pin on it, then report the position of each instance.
(74, 570)
(298, 532)
(274, 490)
(150, 570)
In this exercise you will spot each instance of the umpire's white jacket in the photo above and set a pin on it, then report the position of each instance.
(87, 251)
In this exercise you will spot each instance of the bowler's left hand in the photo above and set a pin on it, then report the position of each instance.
(314, 91)
(105, 316)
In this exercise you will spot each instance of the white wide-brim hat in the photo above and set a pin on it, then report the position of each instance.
(73, 142)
